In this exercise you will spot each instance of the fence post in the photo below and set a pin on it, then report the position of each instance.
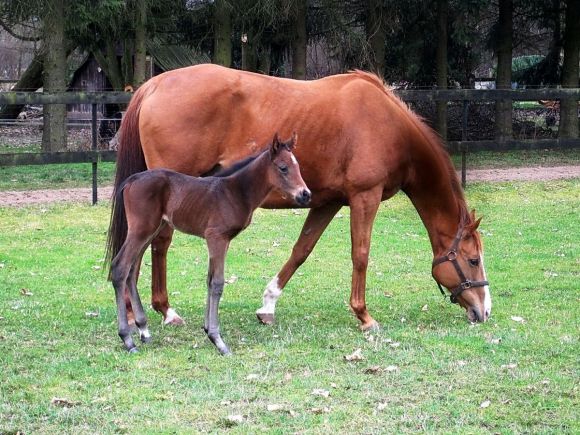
(94, 148)
(464, 144)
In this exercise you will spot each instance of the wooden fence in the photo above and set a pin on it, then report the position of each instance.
(466, 96)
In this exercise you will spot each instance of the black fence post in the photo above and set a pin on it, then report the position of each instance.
(94, 148)
(464, 144)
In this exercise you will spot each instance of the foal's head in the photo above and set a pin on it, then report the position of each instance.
(461, 270)
(284, 173)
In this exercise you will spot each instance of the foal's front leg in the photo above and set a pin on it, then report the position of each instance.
(215, 286)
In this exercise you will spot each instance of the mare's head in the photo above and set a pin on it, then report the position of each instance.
(284, 173)
(460, 269)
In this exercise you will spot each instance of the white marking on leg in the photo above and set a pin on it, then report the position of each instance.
(487, 294)
(271, 295)
(171, 316)
(145, 333)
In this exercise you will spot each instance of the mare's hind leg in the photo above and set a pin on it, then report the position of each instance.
(314, 225)
(215, 286)
(159, 298)
(363, 208)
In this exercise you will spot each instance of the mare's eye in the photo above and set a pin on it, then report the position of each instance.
(473, 262)
(283, 169)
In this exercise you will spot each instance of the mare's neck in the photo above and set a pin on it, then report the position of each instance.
(250, 184)
(434, 191)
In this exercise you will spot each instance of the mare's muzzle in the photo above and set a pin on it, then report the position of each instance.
(303, 197)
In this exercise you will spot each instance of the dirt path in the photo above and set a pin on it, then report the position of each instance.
(23, 198)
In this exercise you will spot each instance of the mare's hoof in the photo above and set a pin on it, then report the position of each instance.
(225, 352)
(172, 318)
(133, 350)
(372, 326)
(266, 318)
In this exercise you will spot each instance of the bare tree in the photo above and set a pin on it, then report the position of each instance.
(570, 70)
(503, 109)
(441, 62)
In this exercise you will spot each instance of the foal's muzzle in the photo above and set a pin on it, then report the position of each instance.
(303, 197)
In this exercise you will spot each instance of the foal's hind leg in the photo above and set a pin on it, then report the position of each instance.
(159, 298)
(139, 312)
(315, 224)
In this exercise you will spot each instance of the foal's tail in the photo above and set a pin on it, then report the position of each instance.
(130, 160)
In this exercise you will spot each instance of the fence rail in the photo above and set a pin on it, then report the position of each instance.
(464, 95)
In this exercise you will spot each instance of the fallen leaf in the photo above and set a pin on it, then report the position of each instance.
(252, 377)
(92, 314)
(509, 366)
(425, 308)
(320, 410)
(392, 368)
(61, 401)
(381, 406)
(235, 419)
(395, 344)
(373, 370)
(26, 292)
(288, 376)
(485, 404)
(388, 295)
(231, 279)
(355, 356)
(518, 319)
(320, 392)
(97, 267)
(275, 407)
(495, 341)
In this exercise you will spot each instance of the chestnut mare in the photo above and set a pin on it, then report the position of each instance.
(216, 209)
(360, 145)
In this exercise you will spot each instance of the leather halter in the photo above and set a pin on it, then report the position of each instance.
(452, 257)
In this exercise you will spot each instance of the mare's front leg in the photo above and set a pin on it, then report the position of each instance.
(314, 225)
(159, 298)
(363, 206)
(215, 286)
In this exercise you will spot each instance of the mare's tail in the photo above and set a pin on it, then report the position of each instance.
(130, 160)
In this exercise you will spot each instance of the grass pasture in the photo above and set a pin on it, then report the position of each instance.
(63, 369)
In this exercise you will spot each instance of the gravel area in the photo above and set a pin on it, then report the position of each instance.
(23, 198)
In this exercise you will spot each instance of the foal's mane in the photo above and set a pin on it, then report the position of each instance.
(237, 166)
(430, 137)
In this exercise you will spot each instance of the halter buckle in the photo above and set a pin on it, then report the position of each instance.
(466, 284)
(451, 255)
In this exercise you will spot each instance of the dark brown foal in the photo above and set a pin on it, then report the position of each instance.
(214, 208)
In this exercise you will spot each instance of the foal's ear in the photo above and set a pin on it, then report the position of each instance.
(293, 141)
(275, 147)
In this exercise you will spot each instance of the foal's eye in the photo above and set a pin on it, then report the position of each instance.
(283, 169)
(473, 262)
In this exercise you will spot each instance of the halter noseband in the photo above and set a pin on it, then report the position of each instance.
(452, 257)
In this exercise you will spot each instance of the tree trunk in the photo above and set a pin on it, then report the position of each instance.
(503, 109)
(441, 61)
(31, 80)
(299, 40)
(54, 131)
(110, 64)
(265, 58)
(570, 70)
(376, 35)
(222, 39)
(139, 73)
(249, 53)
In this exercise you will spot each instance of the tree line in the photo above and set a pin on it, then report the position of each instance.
(435, 43)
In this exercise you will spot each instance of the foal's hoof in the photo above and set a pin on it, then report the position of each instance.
(266, 318)
(372, 326)
(145, 339)
(133, 350)
(172, 318)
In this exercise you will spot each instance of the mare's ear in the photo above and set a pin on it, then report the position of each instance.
(475, 223)
(293, 141)
(275, 147)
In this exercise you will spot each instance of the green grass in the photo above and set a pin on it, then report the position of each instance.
(79, 175)
(51, 345)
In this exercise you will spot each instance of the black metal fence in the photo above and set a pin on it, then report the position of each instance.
(464, 96)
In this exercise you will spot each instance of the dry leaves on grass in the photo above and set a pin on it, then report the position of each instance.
(518, 319)
(26, 292)
(320, 392)
(485, 404)
(63, 402)
(231, 279)
(355, 356)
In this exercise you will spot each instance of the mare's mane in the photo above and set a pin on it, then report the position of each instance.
(431, 138)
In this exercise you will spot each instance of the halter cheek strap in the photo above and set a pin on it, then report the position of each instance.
(465, 283)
